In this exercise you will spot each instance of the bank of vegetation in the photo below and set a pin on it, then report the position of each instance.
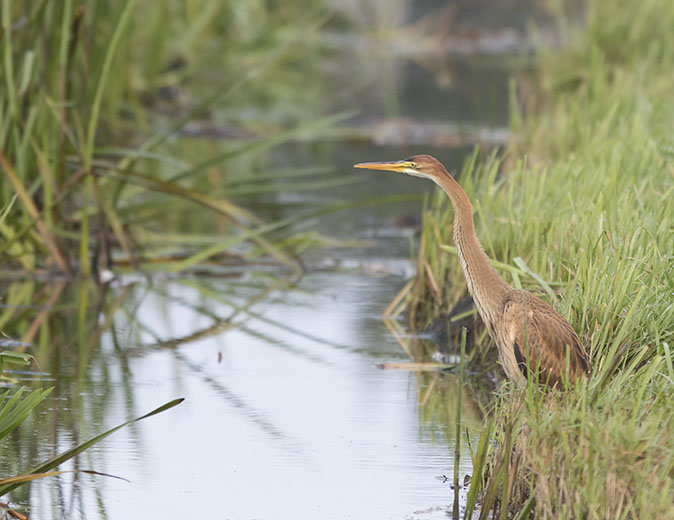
(581, 209)
(93, 96)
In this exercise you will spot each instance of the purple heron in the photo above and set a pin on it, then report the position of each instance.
(530, 335)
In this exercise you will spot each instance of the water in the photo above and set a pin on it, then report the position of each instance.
(286, 413)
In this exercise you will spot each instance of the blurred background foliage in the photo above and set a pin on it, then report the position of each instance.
(94, 94)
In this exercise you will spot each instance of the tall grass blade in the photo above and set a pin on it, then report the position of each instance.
(103, 78)
(60, 459)
(478, 469)
(457, 445)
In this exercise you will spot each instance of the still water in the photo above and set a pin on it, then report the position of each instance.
(286, 413)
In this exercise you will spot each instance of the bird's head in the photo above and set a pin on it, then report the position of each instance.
(418, 165)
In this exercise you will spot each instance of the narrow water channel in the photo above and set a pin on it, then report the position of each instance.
(286, 412)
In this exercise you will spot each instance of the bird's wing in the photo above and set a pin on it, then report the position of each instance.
(541, 338)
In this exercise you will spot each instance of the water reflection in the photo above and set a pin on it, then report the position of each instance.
(286, 409)
(284, 400)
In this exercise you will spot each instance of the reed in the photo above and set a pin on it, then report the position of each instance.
(92, 95)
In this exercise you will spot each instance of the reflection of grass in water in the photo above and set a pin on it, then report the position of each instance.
(437, 395)
(596, 218)
(254, 415)
(32, 313)
(66, 330)
(218, 296)
(447, 401)
(62, 321)
(437, 389)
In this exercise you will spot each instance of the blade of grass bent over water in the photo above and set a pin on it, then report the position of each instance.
(59, 459)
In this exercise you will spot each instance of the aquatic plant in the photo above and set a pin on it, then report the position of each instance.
(17, 408)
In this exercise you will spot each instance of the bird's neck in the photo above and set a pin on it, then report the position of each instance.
(484, 283)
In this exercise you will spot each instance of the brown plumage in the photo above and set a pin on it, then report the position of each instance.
(529, 333)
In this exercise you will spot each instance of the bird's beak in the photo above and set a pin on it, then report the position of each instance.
(397, 166)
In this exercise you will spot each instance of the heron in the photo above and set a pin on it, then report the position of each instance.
(534, 341)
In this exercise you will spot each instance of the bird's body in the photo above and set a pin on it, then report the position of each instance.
(531, 336)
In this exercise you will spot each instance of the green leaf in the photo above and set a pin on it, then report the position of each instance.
(15, 410)
(60, 459)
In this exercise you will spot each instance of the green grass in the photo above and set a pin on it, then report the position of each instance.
(584, 200)
(93, 94)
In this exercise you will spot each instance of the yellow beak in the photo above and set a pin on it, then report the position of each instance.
(397, 166)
